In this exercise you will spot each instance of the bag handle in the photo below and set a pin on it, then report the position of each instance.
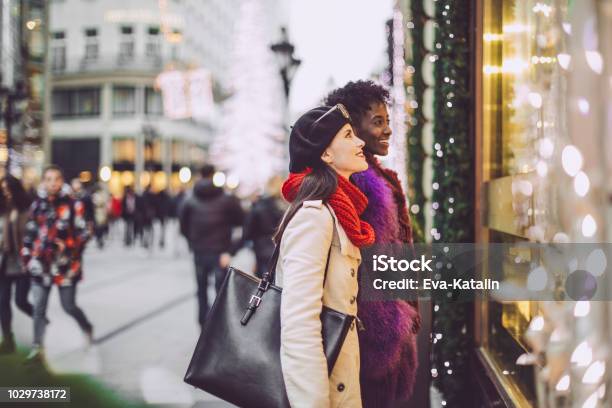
(269, 278)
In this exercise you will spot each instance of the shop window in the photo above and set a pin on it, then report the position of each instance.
(124, 101)
(197, 155)
(88, 102)
(124, 150)
(179, 152)
(126, 44)
(152, 153)
(91, 44)
(76, 102)
(76, 156)
(522, 93)
(61, 103)
(153, 46)
(153, 102)
(58, 51)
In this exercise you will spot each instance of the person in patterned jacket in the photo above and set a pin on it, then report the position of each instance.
(55, 236)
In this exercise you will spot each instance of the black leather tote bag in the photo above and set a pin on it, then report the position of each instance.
(237, 357)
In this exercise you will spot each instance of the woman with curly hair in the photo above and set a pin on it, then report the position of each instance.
(388, 343)
(14, 206)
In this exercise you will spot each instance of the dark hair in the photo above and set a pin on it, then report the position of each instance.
(207, 171)
(54, 167)
(21, 199)
(357, 96)
(320, 184)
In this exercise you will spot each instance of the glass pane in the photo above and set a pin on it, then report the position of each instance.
(523, 96)
(91, 50)
(58, 58)
(124, 100)
(153, 102)
(61, 103)
(179, 152)
(87, 102)
(152, 151)
(124, 150)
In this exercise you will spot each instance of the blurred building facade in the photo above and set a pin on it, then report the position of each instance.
(23, 50)
(108, 118)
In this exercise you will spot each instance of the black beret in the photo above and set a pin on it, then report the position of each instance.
(312, 133)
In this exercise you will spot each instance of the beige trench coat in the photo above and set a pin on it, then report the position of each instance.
(300, 271)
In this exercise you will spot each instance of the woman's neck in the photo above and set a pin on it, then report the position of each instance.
(343, 173)
(346, 175)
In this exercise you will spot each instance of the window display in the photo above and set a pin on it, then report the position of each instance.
(524, 95)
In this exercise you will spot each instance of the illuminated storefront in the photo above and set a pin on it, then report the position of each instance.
(535, 184)
(539, 147)
(163, 162)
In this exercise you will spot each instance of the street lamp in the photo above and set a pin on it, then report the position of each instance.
(287, 62)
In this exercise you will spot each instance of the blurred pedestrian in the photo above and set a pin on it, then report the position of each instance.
(262, 221)
(147, 216)
(80, 193)
(100, 200)
(176, 202)
(129, 207)
(207, 218)
(14, 206)
(162, 210)
(55, 236)
(115, 214)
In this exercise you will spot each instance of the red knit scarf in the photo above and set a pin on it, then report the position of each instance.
(348, 203)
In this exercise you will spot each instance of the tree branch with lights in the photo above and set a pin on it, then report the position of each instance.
(452, 197)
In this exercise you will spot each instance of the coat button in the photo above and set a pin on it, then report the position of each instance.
(341, 387)
(353, 298)
(352, 272)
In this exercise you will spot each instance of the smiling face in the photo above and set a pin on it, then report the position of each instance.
(345, 153)
(374, 129)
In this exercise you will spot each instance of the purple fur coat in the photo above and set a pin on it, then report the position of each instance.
(388, 343)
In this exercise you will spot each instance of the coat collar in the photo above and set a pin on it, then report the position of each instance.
(347, 248)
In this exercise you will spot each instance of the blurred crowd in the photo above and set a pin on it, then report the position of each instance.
(47, 228)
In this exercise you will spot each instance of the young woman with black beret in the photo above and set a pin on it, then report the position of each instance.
(322, 221)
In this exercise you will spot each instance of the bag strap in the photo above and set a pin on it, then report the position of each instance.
(275, 255)
(274, 261)
(269, 278)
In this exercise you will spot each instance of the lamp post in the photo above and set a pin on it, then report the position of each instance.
(287, 65)
(287, 62)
